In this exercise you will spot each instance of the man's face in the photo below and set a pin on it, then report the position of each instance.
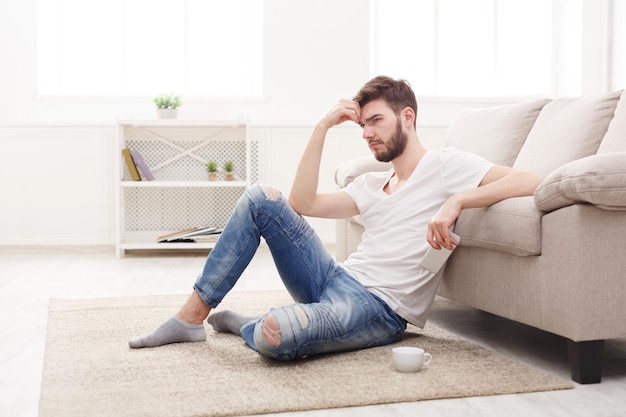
(383, 130)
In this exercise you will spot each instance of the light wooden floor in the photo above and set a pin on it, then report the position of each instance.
(29, 277)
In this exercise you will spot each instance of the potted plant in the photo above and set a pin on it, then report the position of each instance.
(167, 105)
(228, 167)
(211, 168)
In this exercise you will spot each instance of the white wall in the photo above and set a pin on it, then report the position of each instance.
(618, 44)
(56, 185)
(314, 52)
(56, 156)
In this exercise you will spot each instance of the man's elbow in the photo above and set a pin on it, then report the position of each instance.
(529, 182)
(297, 205)
(293, 203)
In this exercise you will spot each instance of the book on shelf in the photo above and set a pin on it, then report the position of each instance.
(206, 238)
(189, 235)
(141, 165)
(130, 164)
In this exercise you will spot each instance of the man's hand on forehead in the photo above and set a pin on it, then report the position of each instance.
(343, 111)
(353, 108)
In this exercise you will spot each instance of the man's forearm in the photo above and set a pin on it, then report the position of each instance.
(304, 187)
(516, 184)
(501, 183)
(304, 197)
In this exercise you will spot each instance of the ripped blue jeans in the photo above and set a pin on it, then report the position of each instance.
(333, 311)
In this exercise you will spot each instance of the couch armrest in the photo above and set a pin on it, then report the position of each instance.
(597, 179)
(347, 171)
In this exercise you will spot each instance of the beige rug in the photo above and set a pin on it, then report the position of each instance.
(90, 371)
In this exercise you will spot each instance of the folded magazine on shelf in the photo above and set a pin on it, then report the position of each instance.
(188, 235)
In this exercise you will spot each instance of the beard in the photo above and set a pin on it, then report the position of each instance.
(395, 146)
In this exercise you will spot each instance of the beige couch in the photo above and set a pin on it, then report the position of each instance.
(555, 260)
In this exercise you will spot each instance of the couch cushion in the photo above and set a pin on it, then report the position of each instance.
(496, 133)
(566, 130)
(598, 179)
(512, 225)
(347, 171)
(615, 138)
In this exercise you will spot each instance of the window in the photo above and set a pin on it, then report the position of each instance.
(201, 48)
(479, 48)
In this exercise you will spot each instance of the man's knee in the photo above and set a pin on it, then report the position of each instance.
(273, 336)
(271, 330)
(260, 193)
(271, 193)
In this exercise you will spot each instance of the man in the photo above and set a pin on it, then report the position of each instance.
(368, 300)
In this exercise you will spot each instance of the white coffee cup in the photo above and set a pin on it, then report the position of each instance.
(410, 359)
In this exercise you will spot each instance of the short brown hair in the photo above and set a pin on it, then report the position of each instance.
(398, 94)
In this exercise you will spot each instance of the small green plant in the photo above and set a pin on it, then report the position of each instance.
(168, 101)
(211, 168)
(228, 167)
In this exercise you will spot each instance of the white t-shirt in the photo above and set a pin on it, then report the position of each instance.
(387, 261)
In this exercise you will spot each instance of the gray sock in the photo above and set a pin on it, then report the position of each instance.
(172, 331)
(228, 321)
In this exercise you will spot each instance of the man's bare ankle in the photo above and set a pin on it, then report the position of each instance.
(189, 318)
(193, 315)
(194, 311)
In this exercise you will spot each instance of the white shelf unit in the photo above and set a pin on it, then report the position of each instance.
(181, 195)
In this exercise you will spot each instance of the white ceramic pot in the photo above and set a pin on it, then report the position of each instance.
(167, 113)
